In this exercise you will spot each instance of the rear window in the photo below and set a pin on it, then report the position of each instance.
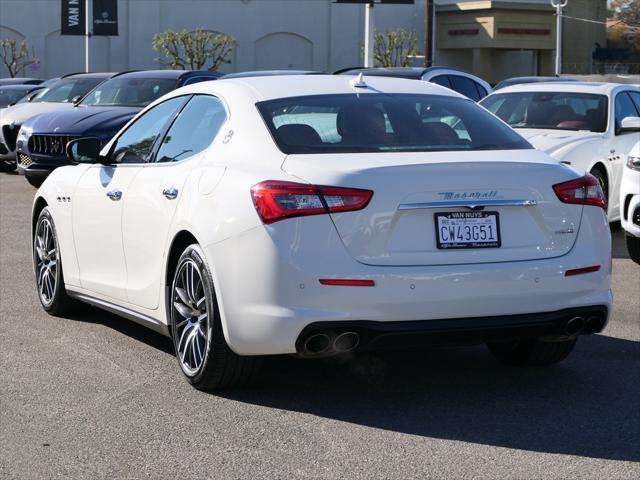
(350, 123)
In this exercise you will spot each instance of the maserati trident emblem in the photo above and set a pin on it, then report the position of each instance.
(55, 145)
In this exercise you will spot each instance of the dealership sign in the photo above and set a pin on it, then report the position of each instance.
(74, 15)
(105, 17)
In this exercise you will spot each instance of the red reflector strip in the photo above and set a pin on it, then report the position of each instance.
(580, 271)
(347, 283)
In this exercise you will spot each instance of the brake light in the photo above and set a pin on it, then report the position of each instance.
(583, 191)
(276, 200)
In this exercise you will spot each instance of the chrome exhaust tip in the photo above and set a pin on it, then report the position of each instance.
(594, 324)
(317, 344)
(574, 326)
(345, 342)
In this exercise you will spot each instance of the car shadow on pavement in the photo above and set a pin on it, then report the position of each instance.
(618, 242)
(586, 406)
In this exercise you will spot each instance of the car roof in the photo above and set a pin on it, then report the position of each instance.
(272, 87)
(21, 86)
(531, 79)
(177, 74)
(267, 73)
(566, 86)
(403, 72)
(90, 75)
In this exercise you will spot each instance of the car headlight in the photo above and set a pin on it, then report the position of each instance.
(633, 163)
(23, 134)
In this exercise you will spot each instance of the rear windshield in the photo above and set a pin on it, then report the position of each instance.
(380, 122)
(550, 110)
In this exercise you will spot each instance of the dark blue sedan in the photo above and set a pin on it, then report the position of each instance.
(101, 113)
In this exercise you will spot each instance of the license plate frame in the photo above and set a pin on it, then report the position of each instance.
(471, 217)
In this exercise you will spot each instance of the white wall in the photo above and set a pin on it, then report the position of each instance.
(315, 34)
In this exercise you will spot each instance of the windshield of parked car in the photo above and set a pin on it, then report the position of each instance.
(550, 110)
(129, 92)
(65, 90)
(9, 96)
(382, 122)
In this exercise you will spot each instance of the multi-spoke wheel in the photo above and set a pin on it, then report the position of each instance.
(192, 317)
(46, 261)
(201, 349)
(48, 267)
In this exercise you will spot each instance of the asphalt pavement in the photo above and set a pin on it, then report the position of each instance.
(96, 396)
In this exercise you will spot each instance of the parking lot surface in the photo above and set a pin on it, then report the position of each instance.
(96, 396)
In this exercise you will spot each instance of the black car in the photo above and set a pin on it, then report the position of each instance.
(10, 94)
(105, 110)
(518, 80)
(460, 81)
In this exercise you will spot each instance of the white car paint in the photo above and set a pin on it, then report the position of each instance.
(266, 277)
(630, 192)
(584, 150)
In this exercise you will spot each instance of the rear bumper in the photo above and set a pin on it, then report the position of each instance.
(267, 284)
(565, 323)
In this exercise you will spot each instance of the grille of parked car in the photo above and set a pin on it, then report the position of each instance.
(49, 144)
(24, 160)
(10, 134)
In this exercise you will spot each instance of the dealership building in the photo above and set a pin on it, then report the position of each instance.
(492, 38)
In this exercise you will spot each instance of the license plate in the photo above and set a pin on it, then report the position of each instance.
(467, 230)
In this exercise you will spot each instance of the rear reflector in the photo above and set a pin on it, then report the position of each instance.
(580, 271)
(276, 200)
(347, 283)
(583, 191)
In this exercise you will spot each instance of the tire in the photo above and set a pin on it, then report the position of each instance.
(633, 247)
(602, 180)
(34, 180)
(532, 351)
(7, 166)
(48, 268)
(201, 350)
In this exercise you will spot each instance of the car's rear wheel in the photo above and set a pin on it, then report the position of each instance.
(201, 349)
(532, 351)
(633, 247)
(34, 180)
(48, 267)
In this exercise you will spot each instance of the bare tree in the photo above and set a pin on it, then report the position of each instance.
(16, 56)
(193, 50)
(394, 48)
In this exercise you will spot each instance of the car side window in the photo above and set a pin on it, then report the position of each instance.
(441, 80)
(136, 143)
(624, 108)
(635, 96)
(465, 86)
(481, 90)
(193, 130)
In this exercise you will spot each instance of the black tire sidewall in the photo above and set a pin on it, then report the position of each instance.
(194, 253)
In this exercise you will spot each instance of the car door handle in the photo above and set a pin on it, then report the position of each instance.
(114, 195)
(170, 193)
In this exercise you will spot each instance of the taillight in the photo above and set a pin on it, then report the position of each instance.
(584, 191)
(276, 200)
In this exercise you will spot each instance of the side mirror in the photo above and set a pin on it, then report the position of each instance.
(84, 150)
(630, 124)
(76, 100)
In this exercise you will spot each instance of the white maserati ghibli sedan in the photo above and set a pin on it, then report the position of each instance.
(318, 215)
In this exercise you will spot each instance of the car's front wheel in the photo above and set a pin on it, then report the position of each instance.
(201, 349)
(532, 351)
(633, 247)
(48, 267)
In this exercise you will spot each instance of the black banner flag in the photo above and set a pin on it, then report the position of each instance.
(105, 17)
(73, 17)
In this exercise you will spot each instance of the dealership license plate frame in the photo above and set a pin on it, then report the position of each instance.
(466, 215)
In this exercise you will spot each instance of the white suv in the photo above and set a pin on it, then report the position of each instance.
(630, 203)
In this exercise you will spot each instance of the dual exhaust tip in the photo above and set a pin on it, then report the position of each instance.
(329, 343)
(578, 325)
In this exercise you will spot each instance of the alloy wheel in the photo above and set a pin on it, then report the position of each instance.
(190, 317)
(46, 260)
